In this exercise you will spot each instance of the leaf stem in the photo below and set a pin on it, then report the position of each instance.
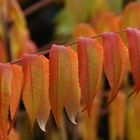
(19, 61)
(35, 7)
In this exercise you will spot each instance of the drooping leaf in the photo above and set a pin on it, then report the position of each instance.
(16, 89)
(133, 37)
(72, 102)
(5, 92)
(59, 80)
(90, 55)
(44, 110)
(32, 85)
(115, 61)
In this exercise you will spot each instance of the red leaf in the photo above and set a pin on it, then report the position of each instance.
(115, 62)
(44, 110)
(133, 36)
(16, 89)
(59, 80)
(33, 85)
(90, 54)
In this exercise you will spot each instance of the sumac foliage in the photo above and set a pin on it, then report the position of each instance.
(67, 77)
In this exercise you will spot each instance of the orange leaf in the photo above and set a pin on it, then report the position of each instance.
(115, 61)
(13, 135)
(90, 54)
(73, 98)
(133, 36)
(107, 21)
(84, 30)
(117, 117)
(44, 110)
(5, 92)
(16, 89)
(130, 16)
(59, 79)
(33, 85)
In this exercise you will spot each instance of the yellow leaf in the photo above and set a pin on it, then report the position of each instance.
(72, 102)
(59, 80)
(16, 89)
(5, 92)
(44, 109)
(32, 85)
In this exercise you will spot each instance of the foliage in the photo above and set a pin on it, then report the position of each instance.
(71, 81)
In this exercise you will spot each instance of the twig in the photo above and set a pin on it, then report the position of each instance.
(130, 94)
(18, 61)
(35, 7)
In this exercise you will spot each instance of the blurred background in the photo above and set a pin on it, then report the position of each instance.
(30, 26)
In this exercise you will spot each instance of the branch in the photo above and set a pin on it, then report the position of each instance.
(18, 61)
(35, 7)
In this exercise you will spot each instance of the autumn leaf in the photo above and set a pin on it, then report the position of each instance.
(115, 62)
(130, 18)
(17, 15)
(59, 80)
(44, 110)
(13, 135)
(20, 41)
(110, 20)
(117, 117)
(5, 92)
(72, 102)
(90, 55)
(32, 85)
(16, 89)
(133, 37)
(82, 30)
